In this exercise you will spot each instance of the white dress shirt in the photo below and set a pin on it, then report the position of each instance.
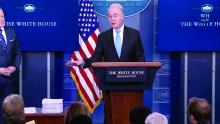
(121, 33)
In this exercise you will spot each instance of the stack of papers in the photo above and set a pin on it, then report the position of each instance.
(52, 105)
(30, 110)
(30, 122)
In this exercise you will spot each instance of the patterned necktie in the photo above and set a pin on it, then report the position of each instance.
(2, 39)
(118, 42)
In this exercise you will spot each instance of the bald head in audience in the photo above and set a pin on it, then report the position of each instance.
(156, 118)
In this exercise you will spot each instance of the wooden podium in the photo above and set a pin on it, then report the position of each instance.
(123, 84)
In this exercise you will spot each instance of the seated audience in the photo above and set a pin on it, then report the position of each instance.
(75, 109)
(13, 109)
(81, 119)
(156, 118)
(138, 114)
(199, 111)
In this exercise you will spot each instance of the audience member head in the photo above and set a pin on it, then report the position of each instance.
(156, 118)
(138, 114)
(75, 109)
(81, 119)
(199, 110)
(13, 109)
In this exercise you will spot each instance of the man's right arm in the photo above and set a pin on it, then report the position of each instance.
(97, 55)
(75, 63)
(4, 71)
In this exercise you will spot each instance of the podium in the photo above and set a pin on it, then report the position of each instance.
(123, 84)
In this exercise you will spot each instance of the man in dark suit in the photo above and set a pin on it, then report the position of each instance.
(10, 57)
(118, 44)
(129, 48)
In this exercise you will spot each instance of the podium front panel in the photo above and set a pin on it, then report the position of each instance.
(133, 78)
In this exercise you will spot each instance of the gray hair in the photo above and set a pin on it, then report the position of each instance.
(118, 5)
(156, 118)
(13, 106)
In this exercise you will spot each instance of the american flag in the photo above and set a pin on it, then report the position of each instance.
(85, 79)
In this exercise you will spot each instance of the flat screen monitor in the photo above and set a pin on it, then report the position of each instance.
(43, 25)
(189, 25)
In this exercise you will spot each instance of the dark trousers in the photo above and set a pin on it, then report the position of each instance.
(6, 88)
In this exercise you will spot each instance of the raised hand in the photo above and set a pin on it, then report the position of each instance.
(74, 63)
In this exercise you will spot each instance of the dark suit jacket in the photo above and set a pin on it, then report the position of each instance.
(12, 55)
(132, 49)
(204, 122)
(9, 57)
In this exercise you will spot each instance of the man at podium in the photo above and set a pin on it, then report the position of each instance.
(118, 44)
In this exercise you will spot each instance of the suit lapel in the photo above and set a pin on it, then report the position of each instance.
(9, 42)
(2, 49)
(125, 41)
(9, 45)
(112, 43)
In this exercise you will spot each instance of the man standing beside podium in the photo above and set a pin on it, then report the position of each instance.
(10, 58)
(118, 44)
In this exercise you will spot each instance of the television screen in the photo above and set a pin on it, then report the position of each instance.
(189, 25)
(43, 25)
